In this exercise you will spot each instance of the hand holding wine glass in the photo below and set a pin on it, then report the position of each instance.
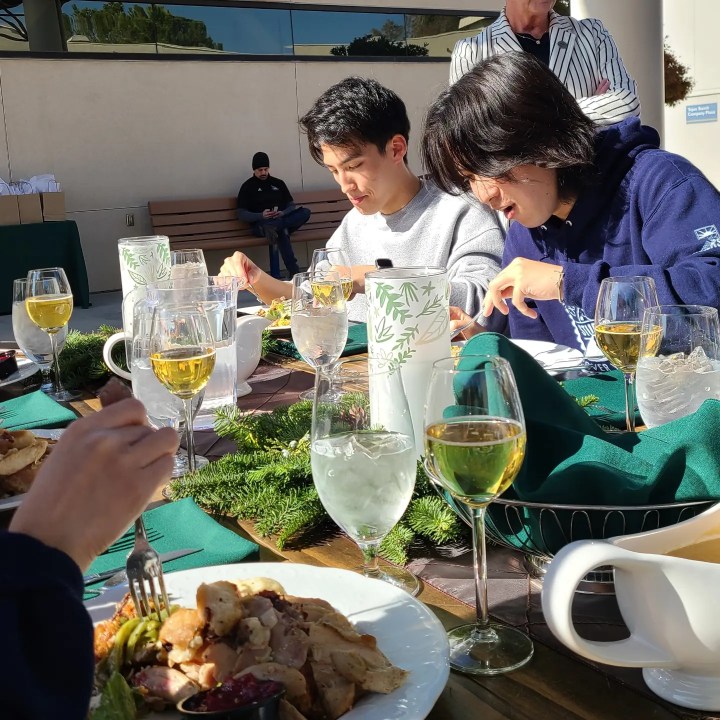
(182, 355)
(474, 448)
(49, 304)
(364, 460)
(619, 312)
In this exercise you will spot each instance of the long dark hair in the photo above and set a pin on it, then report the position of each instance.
(509, 110)
(353, 113)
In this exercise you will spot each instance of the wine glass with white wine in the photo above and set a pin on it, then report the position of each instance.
(182, 355)
(621, 303)
(34, 343)
(333, 259)
(474, 447)
(318, 320)
(49, 304)
(363, 459)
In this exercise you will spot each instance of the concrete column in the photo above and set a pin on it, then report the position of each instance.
(43, 23)
(637, 28)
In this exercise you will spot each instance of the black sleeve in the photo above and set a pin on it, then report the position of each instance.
(287, 198)
(242, 199)
(47, 658)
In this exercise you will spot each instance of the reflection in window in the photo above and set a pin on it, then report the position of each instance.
(348, 33)
(111, 27)
(13, 32)
(439, 33)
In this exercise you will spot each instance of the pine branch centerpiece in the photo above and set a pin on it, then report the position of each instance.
(269, 480)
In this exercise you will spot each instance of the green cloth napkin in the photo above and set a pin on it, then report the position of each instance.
(570, 459)
(178, 525)
(357, 342)
(34, 410)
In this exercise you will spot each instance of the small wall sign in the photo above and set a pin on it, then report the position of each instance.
(707, 112)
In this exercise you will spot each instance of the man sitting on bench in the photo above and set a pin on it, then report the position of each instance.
(266, 203)
(359, 131)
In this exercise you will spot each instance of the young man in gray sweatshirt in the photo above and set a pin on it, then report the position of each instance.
(359, 130)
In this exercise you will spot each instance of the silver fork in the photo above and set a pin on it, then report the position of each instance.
(143, 566)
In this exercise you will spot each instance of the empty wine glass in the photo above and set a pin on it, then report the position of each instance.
(474, 448)
(364, 460)
(679, 364)
(187, 268)
(324, 259)
(182, 355)
(318, 319)
(33, 342)
(49, 304)
(621, 303)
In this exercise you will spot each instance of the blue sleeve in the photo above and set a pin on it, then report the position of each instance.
(248, 217)
(680, 244)
(48, 635)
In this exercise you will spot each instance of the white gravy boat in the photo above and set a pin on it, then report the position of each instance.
(669, 604)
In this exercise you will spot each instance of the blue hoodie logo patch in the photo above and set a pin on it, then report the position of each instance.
(709, 234)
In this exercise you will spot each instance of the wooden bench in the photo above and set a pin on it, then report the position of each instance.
(212, 224)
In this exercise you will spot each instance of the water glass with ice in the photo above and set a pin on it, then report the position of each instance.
(363, 458)
(679, 364)
(188, 268)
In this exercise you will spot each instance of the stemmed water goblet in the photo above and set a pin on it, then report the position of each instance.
(318, 320)
(474, 448)
(364, 459)
(188, 268)
(182, 355)
(619, 310)
(49, 304)
(34, 343)
(333, 259)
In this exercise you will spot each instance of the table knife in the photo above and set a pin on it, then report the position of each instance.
(164, 557)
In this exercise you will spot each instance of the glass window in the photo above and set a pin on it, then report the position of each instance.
(348, 33)
(109, 27)
(439, 33)
(253, 31)
(13, 33)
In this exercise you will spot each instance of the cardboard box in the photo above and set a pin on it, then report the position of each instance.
(30, 208)
(53, 206)
(9, 210)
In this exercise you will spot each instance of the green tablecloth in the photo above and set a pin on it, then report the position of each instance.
(42, 245)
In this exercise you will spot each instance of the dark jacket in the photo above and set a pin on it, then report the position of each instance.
(257, 195)
(46, 664)
(649, 213)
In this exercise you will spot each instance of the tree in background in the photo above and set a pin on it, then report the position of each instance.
(678, 82)
(390, 30)
(378, 46)
(113, 24)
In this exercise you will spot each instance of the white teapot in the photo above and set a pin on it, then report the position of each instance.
(668, 601)
(248, 342)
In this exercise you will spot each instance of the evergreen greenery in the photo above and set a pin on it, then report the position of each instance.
(81, 358)
(268, 480)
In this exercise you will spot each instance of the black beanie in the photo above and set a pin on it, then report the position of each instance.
(260, 159)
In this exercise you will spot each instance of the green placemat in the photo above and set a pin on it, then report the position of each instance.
(175, 526)
(34, 410)
(357, 342)
(610, 388)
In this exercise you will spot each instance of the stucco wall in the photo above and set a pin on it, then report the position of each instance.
(119, 133)
(690, 29)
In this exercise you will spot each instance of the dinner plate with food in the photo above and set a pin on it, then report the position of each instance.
(339, 644)
(22, 452)
(14, 367)
(278, 312)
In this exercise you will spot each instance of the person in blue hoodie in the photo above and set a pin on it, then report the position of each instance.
(585, 203)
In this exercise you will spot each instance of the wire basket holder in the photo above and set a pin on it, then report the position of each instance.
(553, 526)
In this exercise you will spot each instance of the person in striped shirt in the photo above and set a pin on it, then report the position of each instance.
(581, 53)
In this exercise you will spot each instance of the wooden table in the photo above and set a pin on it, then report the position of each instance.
(554, 685)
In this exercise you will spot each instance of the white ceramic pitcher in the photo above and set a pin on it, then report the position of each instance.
(668, 603)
